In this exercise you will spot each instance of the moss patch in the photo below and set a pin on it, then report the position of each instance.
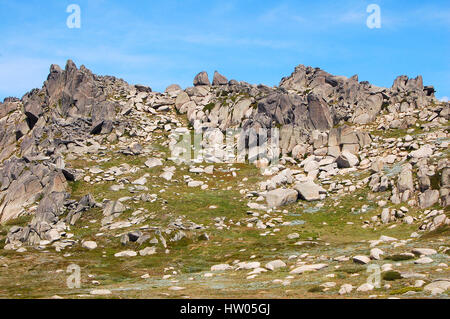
(391, 275)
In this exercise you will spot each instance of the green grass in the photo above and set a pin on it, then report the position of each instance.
(398, 257)
(404, 290)
(34, 271)
(353, 269)
(316, 289)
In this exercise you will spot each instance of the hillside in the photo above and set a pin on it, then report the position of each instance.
(96, 172)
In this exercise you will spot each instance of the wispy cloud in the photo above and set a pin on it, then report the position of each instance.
(220, 40)
(350, 17)
(19, 75)
(314, 18)
(161, 42)
(282, 13)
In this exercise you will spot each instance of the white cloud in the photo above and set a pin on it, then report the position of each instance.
(350, 17)
(219, 40)
(444, 99)
(281, 13)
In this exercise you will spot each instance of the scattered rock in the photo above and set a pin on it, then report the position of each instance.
(100, 292)
(89, 245)
(345, 289)
(423, 260)
(147, 251)
(221, 267)
(424, 251)
(361, 260)
(365, 287)
(275, 264)
(308, 268)
(126, 253)
(437, 287)
(153, 162)
(375, 253)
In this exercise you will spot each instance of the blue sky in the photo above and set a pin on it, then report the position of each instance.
(158, 43)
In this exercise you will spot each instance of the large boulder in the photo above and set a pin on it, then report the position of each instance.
(21, 193)
(182, 99)
(424, 151)
(33, 107)
(438, 286)
(173, 88)
(24, 183)
(405, 179)
(368, 107)
(309, 191)
(347, 160)
(308, 268)
(143, 88)
(219, 79)
(201, 79)
(50, 207)
(319, 113)
(8, 106)
(445, 177)
(112, 208)
(281, 197)
(153, 162)
(428, 198)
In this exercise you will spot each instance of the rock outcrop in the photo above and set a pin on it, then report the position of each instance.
(320, 120)
(359, 102)
(36, 132)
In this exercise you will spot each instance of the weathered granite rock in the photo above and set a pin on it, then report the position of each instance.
(347, 160)
(219, 79)
(405, 179)
(201, 79)
(309, 191)
(428, 198)
(438, 287)
(308, 268)
(281, 197)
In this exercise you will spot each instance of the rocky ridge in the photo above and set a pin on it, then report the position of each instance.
(334, 139)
